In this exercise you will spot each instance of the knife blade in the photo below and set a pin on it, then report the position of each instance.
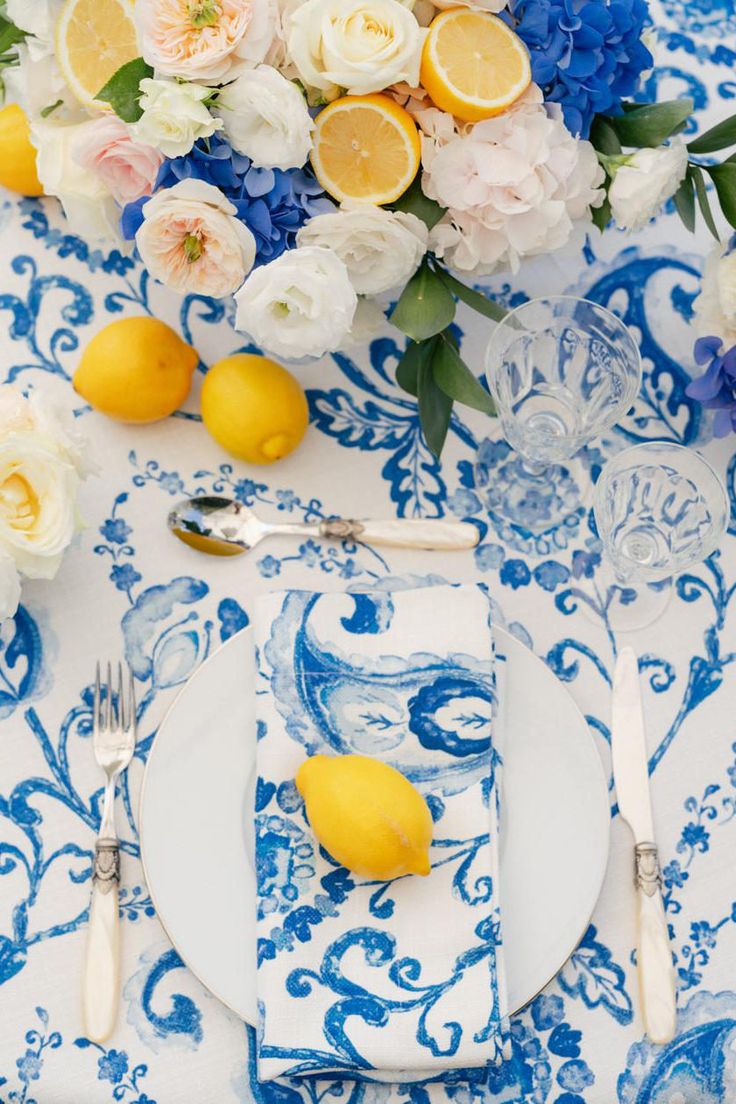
(631, 776)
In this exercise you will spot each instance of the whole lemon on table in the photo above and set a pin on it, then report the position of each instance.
(136, 370)
(17, 153)
(254, 408)
(367, 815)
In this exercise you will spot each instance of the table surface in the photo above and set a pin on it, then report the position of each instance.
(128, 588)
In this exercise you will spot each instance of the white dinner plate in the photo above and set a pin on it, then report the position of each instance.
(196, 809)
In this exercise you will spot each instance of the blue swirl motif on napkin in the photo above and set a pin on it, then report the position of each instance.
(389, 980)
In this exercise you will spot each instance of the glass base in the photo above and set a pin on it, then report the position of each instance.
(625, 607)
(534, 498)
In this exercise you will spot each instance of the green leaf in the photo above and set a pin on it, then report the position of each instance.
(685, 202)
(724, 178)
(10, 35)
(602, 215)
(604, 137)
(703, 203)
(472, 298)
(452, 375)
(719, 137)
(122, 91)
(407, 370)
(415, 202)
(651, 124)
(435, 408)
(425, 306)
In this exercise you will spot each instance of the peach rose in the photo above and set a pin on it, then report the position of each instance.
(126, 167)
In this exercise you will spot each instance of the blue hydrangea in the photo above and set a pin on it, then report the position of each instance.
(588, 56)
(273, 203)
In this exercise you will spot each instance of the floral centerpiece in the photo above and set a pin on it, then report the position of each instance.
(331, 161)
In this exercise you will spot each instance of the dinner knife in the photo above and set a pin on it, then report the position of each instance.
(654, 956)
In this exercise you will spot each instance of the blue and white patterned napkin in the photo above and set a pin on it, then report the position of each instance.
(402, 978)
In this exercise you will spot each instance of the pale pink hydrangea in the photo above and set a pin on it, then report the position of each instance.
(513, 186)
(204, 39)
(127, 167)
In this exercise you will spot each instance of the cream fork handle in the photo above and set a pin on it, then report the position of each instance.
(101, 976)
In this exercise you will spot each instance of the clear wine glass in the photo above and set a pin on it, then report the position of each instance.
(561, 370)
(659, 509)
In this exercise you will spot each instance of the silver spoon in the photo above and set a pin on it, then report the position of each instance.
(224, 527)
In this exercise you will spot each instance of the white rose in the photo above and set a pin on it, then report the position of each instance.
(191, 240)
(88, 205)
(9, 586)
(644, 183)
(301, 304)
(38, 493)
(174, 116)
(266, 117)
(381, 249)
(53, 425)
(360, 45)
(715, 307)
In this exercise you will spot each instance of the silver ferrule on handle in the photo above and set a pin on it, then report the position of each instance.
(106, 866)
(647, 874)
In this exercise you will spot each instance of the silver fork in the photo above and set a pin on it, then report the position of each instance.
(114, 743)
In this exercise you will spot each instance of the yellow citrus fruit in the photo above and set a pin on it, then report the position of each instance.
(93, 39)
(136, 370)
(473, 65)
(365, 148)
(17, 153)
(254, 408)
(367, 815)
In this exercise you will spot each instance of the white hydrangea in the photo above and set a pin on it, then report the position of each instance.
(715, 307)
(513, 186)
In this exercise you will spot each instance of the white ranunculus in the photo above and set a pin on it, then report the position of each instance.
(359, 45)
(380, 248)
(174, 115)
(644, 183)
(266, 117)
(191, 240)
(301, 304)
(715, 307)
(89, 207)
(9, 586)
(38, 494)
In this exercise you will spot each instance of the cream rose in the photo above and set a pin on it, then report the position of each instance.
(359, 45)
(9, 586)
(301, 304)
(38, 493)
(266, 117)
(191, 241)
(88, 204)
(174, 116)
(52, 424)
(380, 249)
(205, 40)
(715, 307)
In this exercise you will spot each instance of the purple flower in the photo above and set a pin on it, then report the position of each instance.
(716, 388)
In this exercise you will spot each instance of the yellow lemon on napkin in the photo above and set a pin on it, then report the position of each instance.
(136, 370)
(367, 815)
(17, 153)
(254, 408)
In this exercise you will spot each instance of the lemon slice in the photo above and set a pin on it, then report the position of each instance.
(93, 39)
(365, 148)
(473, 65)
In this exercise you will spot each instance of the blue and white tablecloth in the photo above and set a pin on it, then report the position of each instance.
(129, 586)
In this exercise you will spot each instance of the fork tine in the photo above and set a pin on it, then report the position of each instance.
(96, 700)
(108, 700)
(120, 714)
(131, 716)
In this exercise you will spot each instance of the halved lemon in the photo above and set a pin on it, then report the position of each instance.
(473, 65)
(93, 39)
(365, 148)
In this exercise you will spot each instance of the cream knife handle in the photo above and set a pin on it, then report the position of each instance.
(101, 978)
(428, 533)
(654, 955)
